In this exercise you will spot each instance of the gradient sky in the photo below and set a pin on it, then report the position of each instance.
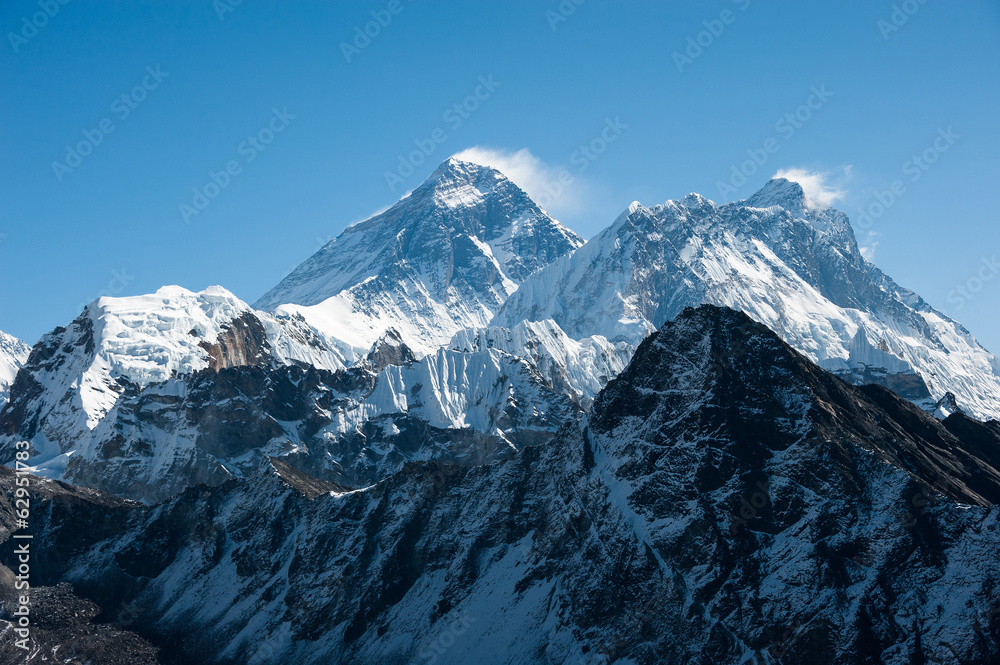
(113, 223)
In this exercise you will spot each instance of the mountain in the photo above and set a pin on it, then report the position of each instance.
(576, 368)
(442, 259)
(78, 378)
(725, 501)
(792, 265)
(145, 396)
(13, 354)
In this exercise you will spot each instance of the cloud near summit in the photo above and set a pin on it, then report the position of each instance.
(539, 180)
(822, 188)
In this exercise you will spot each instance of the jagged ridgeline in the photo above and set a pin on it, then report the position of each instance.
(725, 501)
(710, 434)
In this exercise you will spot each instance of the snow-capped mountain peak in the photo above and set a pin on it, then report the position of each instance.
(792, 265)
(118, 347)
(781, 192)
(789, 196)
(443, 258)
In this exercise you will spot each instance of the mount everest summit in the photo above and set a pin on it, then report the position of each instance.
(458, 410)
(443, 259)
(461, 256)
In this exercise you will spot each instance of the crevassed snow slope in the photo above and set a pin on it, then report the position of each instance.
(578, 368)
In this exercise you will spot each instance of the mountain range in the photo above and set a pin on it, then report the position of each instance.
(458, 433)
(725, 500)
(787, 263)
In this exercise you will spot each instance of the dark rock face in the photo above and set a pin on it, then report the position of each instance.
(389, 350)
(68, 626)
(726, 502)
(54, 352)
(747, 361)
(227, 419)
(243, 343)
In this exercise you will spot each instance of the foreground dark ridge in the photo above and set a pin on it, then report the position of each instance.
(725, 502)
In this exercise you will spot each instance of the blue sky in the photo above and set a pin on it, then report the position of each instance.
(309, 129)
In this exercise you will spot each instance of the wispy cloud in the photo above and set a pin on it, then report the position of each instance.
(868, 245)
(822, 188)
(541, 181)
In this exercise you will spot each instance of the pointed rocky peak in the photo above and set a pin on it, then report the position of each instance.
(697, 203)
(389, 350)
(947, 405)
(783, 193)
(445, 257)
(456, 183)
(791, 197)
(462, 212)
(636, 220)
(700, 348)
(715, 376)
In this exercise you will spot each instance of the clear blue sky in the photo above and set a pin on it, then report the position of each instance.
(61, 241)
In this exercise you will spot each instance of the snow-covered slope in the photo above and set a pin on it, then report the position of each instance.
(794, 267)
(13, 354)
(118, 347)
(147, 395)
(577, 368)
(725, 502)
(444, 258)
